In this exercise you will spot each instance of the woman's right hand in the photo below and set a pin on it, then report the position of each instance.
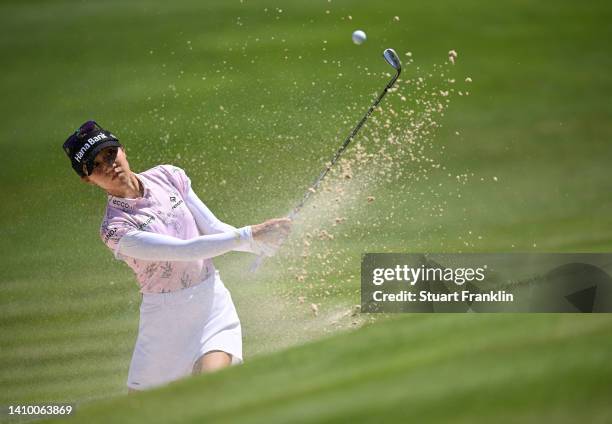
(271, 234)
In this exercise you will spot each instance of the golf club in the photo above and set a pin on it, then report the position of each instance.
(393, 60)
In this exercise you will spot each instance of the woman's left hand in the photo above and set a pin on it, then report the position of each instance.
(271, 234)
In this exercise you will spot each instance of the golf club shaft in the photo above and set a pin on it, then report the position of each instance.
(342, 148)
(257, 263)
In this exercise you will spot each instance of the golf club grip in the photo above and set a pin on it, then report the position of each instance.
(260, 258)
(257, 263)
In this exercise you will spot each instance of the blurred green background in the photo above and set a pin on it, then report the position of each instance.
(251, 98)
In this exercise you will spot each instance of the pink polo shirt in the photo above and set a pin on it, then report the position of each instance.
(162, 210)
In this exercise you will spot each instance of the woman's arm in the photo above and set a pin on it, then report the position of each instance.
(158, 247)
(265, 238)
(206, 221)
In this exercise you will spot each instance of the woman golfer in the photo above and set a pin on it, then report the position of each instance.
(162, 230)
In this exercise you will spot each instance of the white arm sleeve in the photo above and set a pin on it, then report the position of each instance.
(158, 247)
(208, 223)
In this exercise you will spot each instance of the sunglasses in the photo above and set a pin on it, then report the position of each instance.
(108, 158)
(86, 128)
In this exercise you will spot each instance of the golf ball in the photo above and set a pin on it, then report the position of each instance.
(359, 37)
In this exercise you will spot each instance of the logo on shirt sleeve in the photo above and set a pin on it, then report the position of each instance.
(110, 232)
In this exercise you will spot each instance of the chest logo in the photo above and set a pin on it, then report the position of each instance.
(176, 202)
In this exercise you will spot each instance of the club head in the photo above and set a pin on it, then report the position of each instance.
(393, 60)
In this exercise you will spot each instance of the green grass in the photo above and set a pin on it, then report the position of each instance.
(157, 73)
(450, 368)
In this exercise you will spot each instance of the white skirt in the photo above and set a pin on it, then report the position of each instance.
(178, 328)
